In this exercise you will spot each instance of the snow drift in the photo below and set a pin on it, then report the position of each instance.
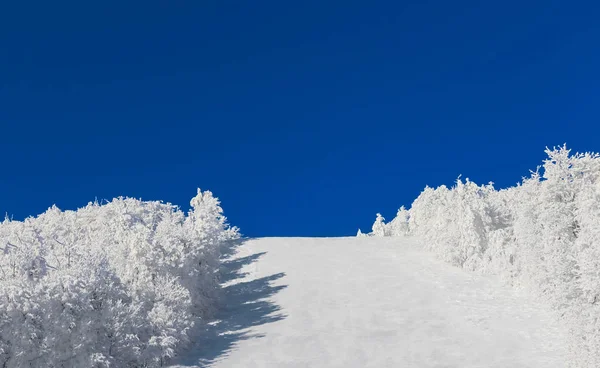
(117, 284)
(543, 234)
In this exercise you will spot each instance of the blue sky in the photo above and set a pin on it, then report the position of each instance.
(305, 118)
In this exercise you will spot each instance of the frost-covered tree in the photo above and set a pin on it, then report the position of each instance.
(399, 225)
(379, 226)
(112, 285)
(543, 233)
(454, 222)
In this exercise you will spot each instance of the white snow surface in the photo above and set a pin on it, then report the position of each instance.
(369, 302)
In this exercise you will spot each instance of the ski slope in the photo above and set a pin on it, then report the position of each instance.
(369, 302)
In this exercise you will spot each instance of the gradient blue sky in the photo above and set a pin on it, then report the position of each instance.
(305, 118)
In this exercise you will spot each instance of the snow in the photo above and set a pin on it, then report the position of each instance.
(369, 302)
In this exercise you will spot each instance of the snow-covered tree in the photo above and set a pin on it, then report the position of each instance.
(379, 226)
(399, 225)
(543, 233)
(112, 285)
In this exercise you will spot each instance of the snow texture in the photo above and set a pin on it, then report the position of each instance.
(369, 302)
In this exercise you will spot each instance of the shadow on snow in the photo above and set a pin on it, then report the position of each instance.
(244, 305)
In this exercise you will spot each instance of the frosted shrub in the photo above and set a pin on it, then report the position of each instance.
(398, 226)
(112, 285)
(455, 222)
(379, 226)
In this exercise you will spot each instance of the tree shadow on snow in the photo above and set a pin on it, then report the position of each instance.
(232, 269)
(244, 305)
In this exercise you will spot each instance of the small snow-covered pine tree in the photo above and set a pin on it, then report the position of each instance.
(379, 226)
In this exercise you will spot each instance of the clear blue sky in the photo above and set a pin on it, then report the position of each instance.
(305, 118)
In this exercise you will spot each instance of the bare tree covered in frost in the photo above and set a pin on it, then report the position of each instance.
(543, 233)
(112, 285)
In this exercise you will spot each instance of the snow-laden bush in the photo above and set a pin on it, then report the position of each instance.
(112, 285)
(544, 234)
(397, 227)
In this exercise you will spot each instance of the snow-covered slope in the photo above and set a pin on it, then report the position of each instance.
(369, 302)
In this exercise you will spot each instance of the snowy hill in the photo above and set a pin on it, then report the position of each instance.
(369, 302)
